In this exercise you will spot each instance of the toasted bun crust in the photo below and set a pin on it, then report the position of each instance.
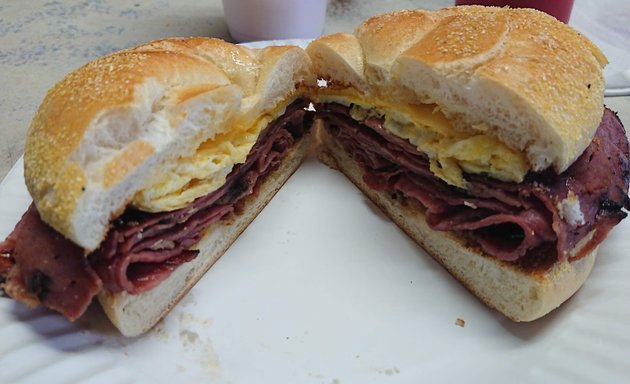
(519, 294)
(136, 314)
(112, 125)
(517, 74)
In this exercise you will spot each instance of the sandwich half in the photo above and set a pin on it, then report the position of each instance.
(482, 133)
(145, 165)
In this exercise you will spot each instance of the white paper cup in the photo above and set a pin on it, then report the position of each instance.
(251, 20)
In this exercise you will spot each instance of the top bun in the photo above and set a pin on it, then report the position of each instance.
(117, 123)
(517, 74)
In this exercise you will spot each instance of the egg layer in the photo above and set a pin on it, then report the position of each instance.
(451, 152)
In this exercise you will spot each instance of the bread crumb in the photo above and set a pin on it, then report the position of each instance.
(460, 322)
(188, 337)
(570, 210)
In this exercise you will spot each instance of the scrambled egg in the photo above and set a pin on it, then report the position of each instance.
(450, 152)
(203, 172)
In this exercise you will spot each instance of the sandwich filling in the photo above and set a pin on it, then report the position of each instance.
(141, 249)
(532, 223)
(536, 222)
(451, 152)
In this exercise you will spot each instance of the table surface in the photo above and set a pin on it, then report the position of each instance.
(43, 40)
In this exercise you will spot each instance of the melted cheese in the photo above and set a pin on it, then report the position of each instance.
(206, 170)
(451, 152)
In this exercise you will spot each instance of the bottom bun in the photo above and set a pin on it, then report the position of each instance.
(518, 293)
(136, 314)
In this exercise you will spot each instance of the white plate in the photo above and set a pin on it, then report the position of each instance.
(266, 43)
(607, 24)
(321, 288)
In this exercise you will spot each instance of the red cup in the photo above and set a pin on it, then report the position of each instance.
(560, 9)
